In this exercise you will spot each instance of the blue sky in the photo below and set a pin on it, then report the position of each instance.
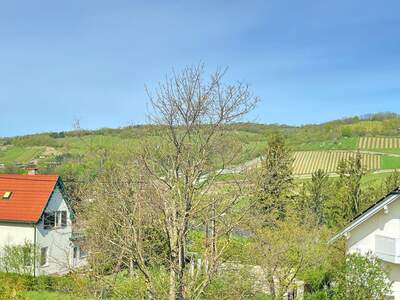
(308, 61)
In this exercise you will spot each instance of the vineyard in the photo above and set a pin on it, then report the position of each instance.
(307, 162)
(378, 143)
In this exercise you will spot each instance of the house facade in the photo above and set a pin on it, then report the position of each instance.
(35, 211)
(377, 231)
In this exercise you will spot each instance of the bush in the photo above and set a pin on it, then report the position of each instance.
(12, 283)
(362, 278)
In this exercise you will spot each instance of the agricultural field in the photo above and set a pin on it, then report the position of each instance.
(379, 143)
(16, 154)
(307, 162)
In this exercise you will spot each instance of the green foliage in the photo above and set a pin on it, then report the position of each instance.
(275, 177)
(234, 285)
(351, 172)
(361, 278)
(316, 195)
(35, 140)
(392, 182)
(19, 286)
(17, 258)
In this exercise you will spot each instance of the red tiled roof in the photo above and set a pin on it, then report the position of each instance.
(30, 194)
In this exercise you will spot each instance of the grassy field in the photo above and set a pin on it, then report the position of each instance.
(390, 162)
(48, 296)
(16, 154)
(340, 144)
(307, 162)
(379, 143)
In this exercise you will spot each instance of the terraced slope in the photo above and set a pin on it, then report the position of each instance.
(307, 162)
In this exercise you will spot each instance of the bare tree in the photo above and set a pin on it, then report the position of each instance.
(142, 211)
(193, 113)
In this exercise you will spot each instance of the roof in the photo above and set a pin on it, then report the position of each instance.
(368, 213)
(29, 196)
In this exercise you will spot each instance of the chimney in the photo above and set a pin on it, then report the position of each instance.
(32, 171)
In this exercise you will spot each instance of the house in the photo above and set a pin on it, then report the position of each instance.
(35, 210)
(377, 231)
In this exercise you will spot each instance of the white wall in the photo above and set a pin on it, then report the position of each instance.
(362, 238)
(57, 240)
(15, 234)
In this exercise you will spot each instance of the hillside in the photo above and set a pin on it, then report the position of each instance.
(315, 147)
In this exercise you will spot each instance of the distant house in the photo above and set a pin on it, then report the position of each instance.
(377, 231)
(35, 210)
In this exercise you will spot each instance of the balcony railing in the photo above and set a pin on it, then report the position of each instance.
(387, 248)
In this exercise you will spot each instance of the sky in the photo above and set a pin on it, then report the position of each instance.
(90, 60)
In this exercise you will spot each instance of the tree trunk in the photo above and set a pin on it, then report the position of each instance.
(271, 285)
(172, 284)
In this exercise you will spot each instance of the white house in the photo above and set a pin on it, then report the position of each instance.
(377, 230)
(35, 210)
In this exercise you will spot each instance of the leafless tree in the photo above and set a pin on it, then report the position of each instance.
(169, 190)
(193, 113)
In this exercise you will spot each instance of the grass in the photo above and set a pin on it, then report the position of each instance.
(390, 162)
(48, 296)
(340, 144)
(19, 154)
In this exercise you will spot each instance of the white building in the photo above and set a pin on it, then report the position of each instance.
(34, 210)
(377, 231)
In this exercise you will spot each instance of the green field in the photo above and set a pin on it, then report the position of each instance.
(17, 154)
(390, 162)
(47, 296)
(340, 144)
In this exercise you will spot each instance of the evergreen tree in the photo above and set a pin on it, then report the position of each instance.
(317, 195)
(275, 178)
(351, 171)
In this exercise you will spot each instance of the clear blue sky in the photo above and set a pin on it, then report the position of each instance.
(308, 61)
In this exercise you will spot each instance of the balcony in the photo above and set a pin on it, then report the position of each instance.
(387, 249)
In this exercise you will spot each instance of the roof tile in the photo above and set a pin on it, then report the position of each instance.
(30, 194)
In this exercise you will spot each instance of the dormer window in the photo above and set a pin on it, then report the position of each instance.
(7, 195)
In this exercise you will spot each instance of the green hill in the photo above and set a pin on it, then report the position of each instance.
(315, 146)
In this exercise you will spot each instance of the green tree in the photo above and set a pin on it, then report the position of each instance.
(351, 171)
(362, 278)
(286, 250)
(392, 182)
(317, 194)
(275, 177)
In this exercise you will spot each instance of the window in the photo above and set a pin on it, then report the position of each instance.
(82, 253)
(49, 221)
(55, 219)
(7, 195)
(63, 219)
(44, 256)
(76, 250)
